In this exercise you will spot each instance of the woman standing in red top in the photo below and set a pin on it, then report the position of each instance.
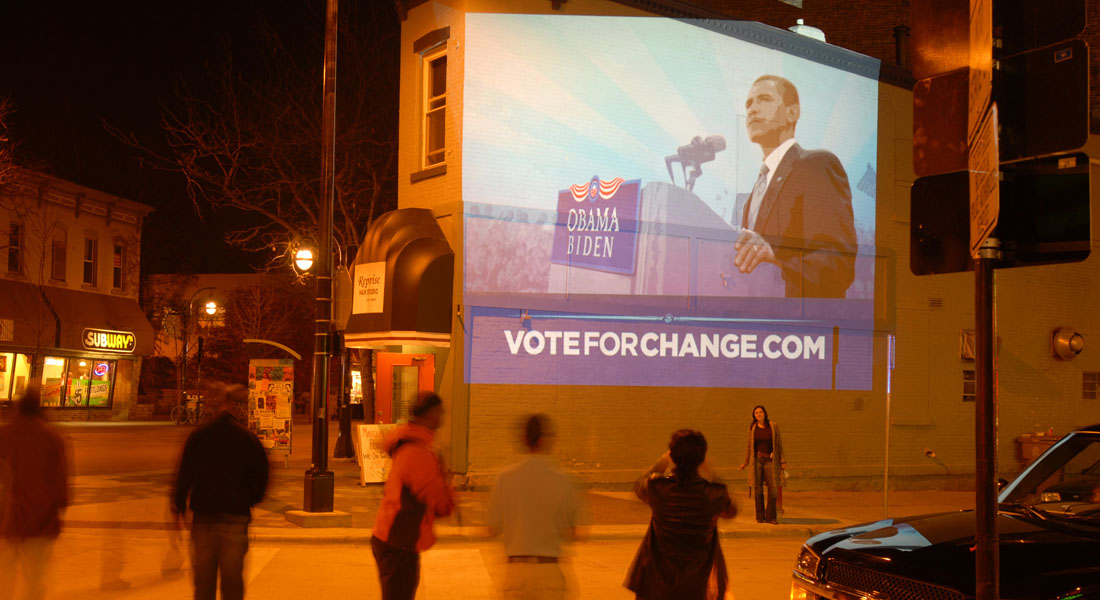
(764, 455)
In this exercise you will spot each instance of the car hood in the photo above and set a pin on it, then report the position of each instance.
(1039, 558)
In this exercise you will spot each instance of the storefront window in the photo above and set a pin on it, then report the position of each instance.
(89, 382)
(14, 369)
(20, 374)
(53, 378)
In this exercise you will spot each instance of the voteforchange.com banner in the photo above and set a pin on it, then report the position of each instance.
(520, 347)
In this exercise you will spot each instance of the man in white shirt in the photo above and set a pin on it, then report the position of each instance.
(799, 215)
(535, 507)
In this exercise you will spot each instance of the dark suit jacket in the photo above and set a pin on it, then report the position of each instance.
(806, 216)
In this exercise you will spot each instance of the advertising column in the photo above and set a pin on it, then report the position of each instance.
(270, 394)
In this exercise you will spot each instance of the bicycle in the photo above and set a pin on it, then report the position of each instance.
(190, 413)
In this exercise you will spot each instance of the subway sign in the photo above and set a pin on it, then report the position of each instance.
(109, 341)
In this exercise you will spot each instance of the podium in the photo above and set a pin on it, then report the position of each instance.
(683, 256)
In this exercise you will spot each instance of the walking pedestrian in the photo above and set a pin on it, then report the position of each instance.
(224, 473)
(417, 491)
(34, 489)
(535, 507)
(764, 455)
(680, 558)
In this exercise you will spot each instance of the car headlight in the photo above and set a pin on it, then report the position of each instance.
(1050, 497)
(807, 562)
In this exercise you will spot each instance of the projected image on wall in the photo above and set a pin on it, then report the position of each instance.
(622, 172)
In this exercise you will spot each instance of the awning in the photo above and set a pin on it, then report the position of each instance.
(25, 319)
(402, 283)
(111, 317)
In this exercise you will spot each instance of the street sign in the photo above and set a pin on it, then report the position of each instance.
(984, 183)
(1045, 214)
(1043, 96)
(938, 229)
(981, 64)
(1021, 25)
(940, 116)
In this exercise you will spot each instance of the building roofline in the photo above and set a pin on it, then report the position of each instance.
(32, 178)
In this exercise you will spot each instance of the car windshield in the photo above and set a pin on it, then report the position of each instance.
(1063, 483)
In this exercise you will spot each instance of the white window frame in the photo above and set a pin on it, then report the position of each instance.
(430, 158)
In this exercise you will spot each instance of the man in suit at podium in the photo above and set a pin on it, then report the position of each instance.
(799, 215)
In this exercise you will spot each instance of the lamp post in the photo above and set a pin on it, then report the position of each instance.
(319, 481)
(186, 325)
(210, 308)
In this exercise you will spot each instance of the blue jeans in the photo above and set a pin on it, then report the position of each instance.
(764, 473)
(218, 545)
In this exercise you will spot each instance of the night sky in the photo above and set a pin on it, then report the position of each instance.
(72, 65)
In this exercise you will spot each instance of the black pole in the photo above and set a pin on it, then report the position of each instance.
(343, 447)
(319, 480)
(985, 440)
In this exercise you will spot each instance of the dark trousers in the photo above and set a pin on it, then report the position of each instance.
(764, 473)
(398, 570)
(218, 545)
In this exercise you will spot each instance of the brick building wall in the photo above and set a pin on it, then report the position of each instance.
(833, 439)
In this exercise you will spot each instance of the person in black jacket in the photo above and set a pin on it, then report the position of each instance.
(680, 558)
(224, 472)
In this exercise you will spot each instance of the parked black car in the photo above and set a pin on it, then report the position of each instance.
(1049, 526)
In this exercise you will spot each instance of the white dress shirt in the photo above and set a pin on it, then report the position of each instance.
(533, 505)
(771, 161)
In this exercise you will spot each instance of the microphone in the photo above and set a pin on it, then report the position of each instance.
(701, 150)
(692, 156)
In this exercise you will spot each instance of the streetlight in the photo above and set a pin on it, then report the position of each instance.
(303, 259)
(211, 308)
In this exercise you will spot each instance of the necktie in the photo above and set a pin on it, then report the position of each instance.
(757, 197)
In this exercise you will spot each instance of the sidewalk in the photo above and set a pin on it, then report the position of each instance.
(136, 505)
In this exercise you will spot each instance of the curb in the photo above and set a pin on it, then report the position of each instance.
(444, 535)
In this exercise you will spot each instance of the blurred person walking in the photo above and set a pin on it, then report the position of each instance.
(34, 489)
(680, 557)
(417, 491)
(764, 456)
(535, 506)
(223, 471)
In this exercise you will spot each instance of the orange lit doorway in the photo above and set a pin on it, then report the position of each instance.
(401, 378)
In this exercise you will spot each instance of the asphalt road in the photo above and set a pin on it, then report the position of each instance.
(119, 448)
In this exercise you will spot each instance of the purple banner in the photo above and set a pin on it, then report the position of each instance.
(597, 225)
(516, 347)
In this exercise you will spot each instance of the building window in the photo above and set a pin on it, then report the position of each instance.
(15, 372)
(77, 382)
(15, 248)
(970, 386)
(1090, 386)
(434, 94)
(54, 369)
(91, 250)
(117, 267)
(57, 260)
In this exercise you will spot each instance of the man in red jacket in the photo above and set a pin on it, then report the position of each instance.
(417, 491)
(34, 489)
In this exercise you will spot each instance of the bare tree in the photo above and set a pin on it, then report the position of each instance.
(7, 147)
(253, 144)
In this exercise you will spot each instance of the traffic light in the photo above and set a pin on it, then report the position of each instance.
(1040, 88)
